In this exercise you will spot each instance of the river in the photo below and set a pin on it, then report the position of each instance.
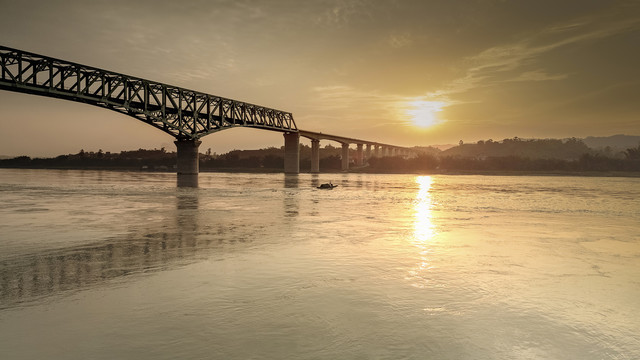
(125, 265)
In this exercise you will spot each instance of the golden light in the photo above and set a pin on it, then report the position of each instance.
(424, 233)
(424, 113)
(424, 228)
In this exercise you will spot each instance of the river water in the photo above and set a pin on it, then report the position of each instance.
(124, 265)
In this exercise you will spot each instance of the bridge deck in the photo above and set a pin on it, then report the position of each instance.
(344, 140)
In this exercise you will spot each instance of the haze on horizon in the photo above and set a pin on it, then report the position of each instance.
(401, 72)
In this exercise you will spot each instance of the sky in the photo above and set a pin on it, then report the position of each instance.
(403, 72)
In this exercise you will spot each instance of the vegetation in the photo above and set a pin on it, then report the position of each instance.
(539, 148)
(536, 155)
(156, 159)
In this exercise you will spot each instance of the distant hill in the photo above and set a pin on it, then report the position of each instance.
(615, 142)
(6, 157)
(443, 146)
(568, 149)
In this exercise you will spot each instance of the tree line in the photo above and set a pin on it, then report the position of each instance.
(534, 155)
(570, 155)
(431, 163)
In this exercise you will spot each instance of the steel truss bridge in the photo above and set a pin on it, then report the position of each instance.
(185, 114)
(182, 113)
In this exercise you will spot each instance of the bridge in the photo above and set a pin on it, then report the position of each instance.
(185, 114)
(372, 149)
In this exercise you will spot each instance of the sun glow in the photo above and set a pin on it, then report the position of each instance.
(424, 228)
(424, 113)
(424, 233)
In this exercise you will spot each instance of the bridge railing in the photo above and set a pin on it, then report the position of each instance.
(183, 113)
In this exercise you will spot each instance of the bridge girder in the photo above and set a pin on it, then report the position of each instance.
(182, 113)
(346, 140)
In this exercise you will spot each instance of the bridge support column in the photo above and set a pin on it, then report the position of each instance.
(367, 153)
(345, 157)
(187, 162)
(359, 155)
(315, 156)
(376, 151)
(291, 153)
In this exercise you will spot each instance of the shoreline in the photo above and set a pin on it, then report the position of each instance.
(631, 174)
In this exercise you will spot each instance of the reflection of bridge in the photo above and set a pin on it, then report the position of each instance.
(177, 239)
(151, 248)
(184, 114)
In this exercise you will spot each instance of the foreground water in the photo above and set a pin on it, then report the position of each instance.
(117, 265)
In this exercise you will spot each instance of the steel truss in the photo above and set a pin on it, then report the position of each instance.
(182, 113)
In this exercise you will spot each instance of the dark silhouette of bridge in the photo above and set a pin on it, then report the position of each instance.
(185, 114)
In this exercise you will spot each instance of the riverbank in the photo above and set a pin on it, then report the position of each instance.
(364, 170)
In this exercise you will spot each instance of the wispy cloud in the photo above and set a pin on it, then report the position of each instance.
(342, 12)
(511, 62)
(337, 97)
(537, 75)
(399, 40)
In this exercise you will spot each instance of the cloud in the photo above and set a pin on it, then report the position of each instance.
(342, 12)
(538, 75)
(399, 40)
(344, 97)
(501, 63)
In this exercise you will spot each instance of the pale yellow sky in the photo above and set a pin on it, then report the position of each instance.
(402, 72)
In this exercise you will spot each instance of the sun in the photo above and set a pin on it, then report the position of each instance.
(424, 113)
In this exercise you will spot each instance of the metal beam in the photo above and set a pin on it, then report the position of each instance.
(182, 113)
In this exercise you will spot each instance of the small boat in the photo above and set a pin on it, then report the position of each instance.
(327, 186)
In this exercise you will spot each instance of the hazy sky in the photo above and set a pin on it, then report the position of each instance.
(402, 72)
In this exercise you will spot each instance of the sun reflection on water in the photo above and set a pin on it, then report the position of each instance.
(424, 229)
(423, 233)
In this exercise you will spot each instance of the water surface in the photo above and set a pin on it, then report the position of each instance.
(115, 265)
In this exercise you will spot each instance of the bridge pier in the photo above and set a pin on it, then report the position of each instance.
(315, 156)
(345, 156)
(359, 155)
(187, 162)
(367, 153)
(292, 153)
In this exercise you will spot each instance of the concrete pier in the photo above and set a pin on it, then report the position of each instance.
(187, 162)
(359, 155)
(367, 153)
(315, 156)
(292, 153)
(345, 156)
